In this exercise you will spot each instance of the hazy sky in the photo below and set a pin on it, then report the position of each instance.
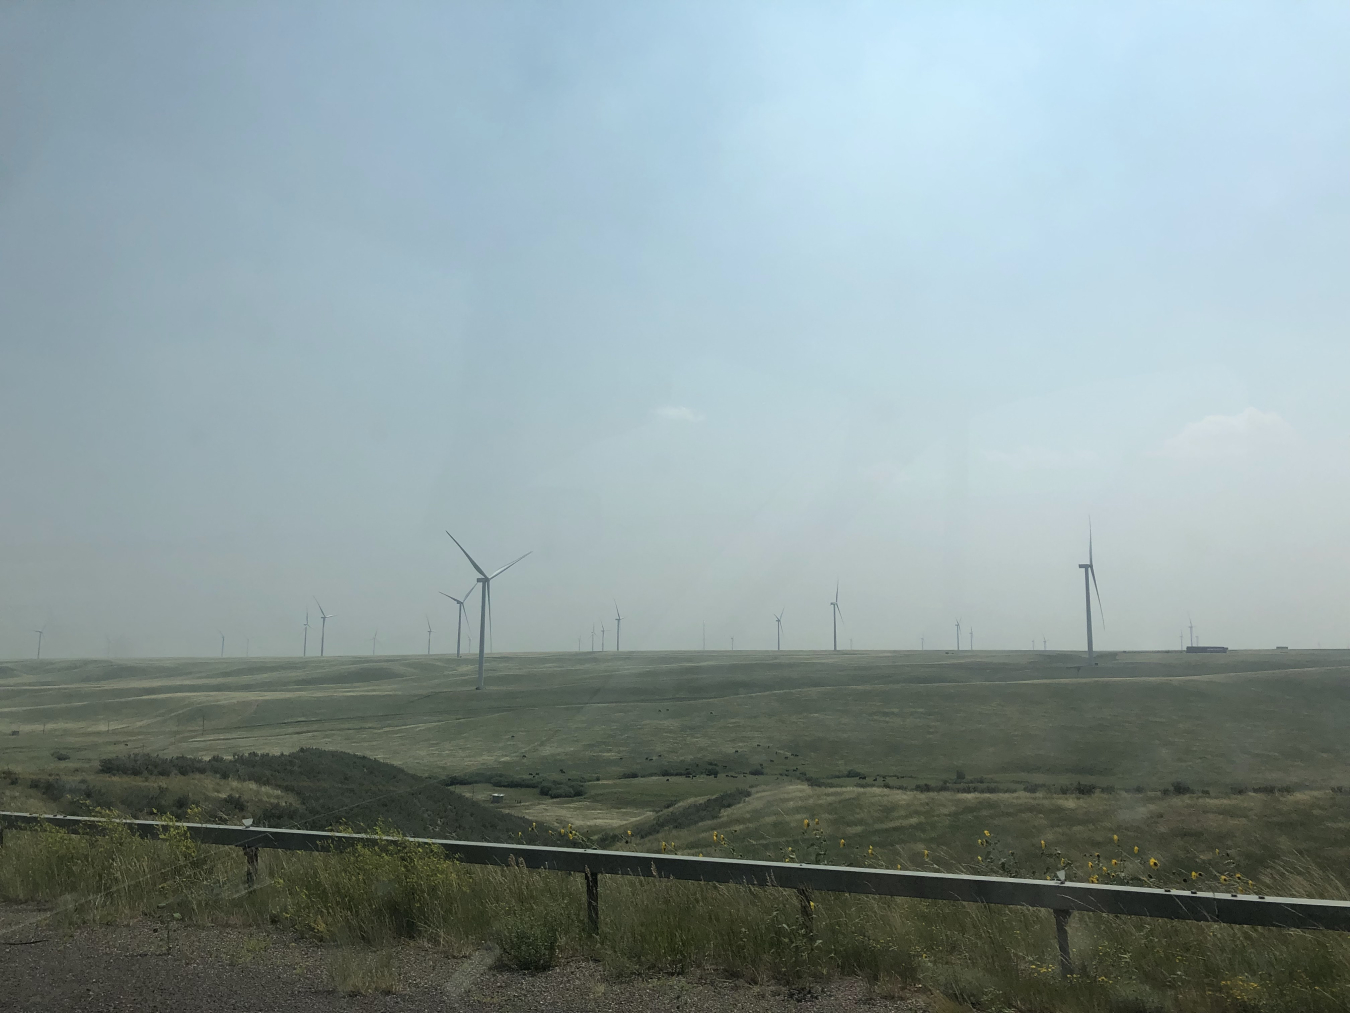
(707, 305)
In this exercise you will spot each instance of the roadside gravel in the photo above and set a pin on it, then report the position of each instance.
(218, 969)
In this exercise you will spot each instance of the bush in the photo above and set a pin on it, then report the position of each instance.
(528, 944)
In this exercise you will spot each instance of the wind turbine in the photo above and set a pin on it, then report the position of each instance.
(428, 636)
(778, 621)
(836, 613)
(592, 638)
(323, 625)
(373, 641)
(304, 651)
(222, 643)
(971, 633)
(958, 634)
(486, 580)
(463, 615)
(1090, 572)
(39, 633)
(618, 624)
(602, 636)
(1191, 626)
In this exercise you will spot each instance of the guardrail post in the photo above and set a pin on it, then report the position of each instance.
(1062, 937)
(251, 875)
(808, 910)
(593, 901)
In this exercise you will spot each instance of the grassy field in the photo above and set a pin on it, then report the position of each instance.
(1213, 721)
(1212, 765)
(1000, 737)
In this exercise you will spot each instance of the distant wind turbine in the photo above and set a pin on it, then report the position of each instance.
(463, 617)
(39, 633)
(428, 636)
(958, 634)
(971, 634)
(1090, 572)
(592, 638)
(618, 625)
(323, 625)
(373, 641)
(304, 650)
(222, 644)
(602, 636)
(1191, 625)
(778, 622)
(484, 579)
(836, 613)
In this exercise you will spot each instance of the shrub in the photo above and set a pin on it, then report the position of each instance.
(527, 943)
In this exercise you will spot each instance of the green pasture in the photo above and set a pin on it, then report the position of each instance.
(1213, 721)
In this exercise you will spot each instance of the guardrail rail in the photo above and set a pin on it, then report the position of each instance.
(1061, 898)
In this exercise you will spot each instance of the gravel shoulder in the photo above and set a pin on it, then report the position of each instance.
(145, 967)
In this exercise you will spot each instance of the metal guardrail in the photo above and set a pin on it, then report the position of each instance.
(1061, 898)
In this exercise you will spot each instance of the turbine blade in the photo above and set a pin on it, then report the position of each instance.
(467, 556)
(452, 598)
(508, 566)
(1100, 613)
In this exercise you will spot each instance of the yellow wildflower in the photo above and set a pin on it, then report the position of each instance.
(841, 842)
(1153, 863)
(1115, 838)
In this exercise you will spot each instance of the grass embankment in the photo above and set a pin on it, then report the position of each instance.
(383, 895)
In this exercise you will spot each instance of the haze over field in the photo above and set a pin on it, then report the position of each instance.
(707, 306)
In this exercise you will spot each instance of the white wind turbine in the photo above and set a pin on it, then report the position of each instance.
(485, 579)
(463, 615)
(778, 622)
(1090, 571)
(618, 621)
(958, 634)
(39, 633)
(428, 636)
(323, 625)
(304, 651)
(222, 643)
(602, 636)
(836, 613)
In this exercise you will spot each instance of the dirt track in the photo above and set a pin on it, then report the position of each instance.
(227, 970)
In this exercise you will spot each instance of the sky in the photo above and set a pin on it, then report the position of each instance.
(706, 306)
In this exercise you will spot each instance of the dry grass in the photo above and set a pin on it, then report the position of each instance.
(361, 901)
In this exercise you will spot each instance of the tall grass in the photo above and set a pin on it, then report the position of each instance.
(991, 958)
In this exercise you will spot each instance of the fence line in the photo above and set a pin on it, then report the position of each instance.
(1062, 898)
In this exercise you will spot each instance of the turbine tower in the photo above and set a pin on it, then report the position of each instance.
(484, 601)
(602, 636)
(971, 633)
(304, 651)
(462, 617)
(836, 613)
(39, 633)
(428, 636)
(618, 621)
(958, 634)
(222, 643)
(323, 625)
(1191, 626)
(778, 621)
(1090, 573)
(373, 641)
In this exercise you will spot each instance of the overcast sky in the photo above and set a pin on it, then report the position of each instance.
(707, 305)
